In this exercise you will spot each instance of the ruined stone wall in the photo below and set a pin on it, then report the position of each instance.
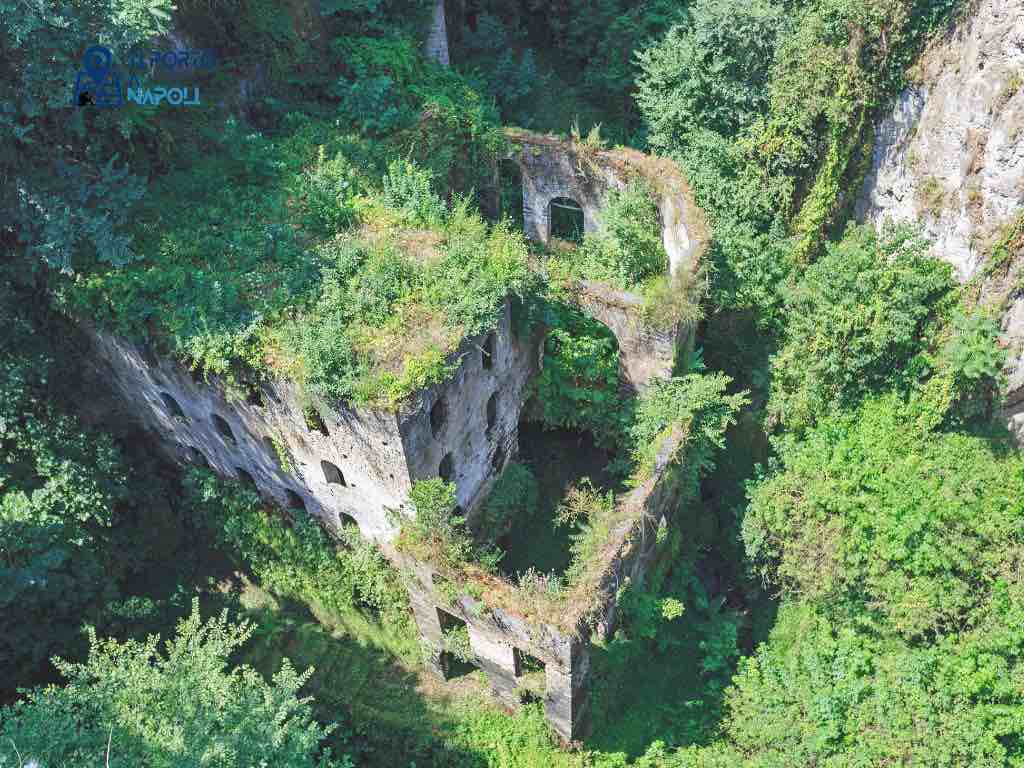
(501, 638)
(194, 422)
(950, 157)
(553, 168)
(645, 351)
(373, 456)
(479, 409)
(501, 641)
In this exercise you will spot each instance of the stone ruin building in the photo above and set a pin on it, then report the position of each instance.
(344, 464)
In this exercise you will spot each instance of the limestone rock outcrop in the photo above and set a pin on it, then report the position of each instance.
(950, 156)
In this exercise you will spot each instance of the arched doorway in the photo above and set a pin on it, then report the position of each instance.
(566, 220)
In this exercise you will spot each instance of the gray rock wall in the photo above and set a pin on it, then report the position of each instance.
(479, 434)
(552, 168)
(950, 156)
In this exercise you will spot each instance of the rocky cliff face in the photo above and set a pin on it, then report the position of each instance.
(950, 156)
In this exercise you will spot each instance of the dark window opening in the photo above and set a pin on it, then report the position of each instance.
(532, 679)
(566, 217)
(245, 477)
(172, 406)
(254, 395)
(294, 500)
(314, 421)
(332, 474)
(197, 457)
(224, 428)
(446, 469)
(438, 416)
(457, 657)
(487, 355)
(492, 411)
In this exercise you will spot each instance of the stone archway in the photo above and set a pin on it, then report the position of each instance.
(560, 168)
(566, 219)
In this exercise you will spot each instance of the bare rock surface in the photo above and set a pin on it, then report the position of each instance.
(950, 157)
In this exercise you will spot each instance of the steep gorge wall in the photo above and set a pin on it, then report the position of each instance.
(950, 156)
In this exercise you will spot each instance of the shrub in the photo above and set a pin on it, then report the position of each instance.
(578, 386)
(136, 703)
(408, 189)
(628, 249)
(324, 194)
(860, 319)
(869, 514)
(512, 501)
(695, 403)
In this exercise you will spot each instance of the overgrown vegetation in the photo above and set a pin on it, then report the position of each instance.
(847, 592)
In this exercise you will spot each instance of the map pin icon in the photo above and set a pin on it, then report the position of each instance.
(97, 62)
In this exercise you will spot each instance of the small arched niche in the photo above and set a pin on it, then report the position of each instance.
(438, 416)
(492, 411)
(294, 500)
(245, 477)
(446, 469)
(197, 457)
(224, 428)
(173, 407)
(332, 475)
(488, 351)
(566, 220)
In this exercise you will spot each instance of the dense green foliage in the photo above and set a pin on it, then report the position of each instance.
(697, 406)
(230, 280)
(512, 501)
(908, 531)
(627, 251)
(847, 593)
(135, 703)
(583, 50)
(579, 383)
(861, 318)
(59, 489)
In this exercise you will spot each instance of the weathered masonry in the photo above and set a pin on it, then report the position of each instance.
(334, 461)
(558, 169)
(358, 464)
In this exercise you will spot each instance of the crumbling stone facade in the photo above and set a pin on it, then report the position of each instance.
(502, 638)
(646, 351)
(557, 168)
(340, 462)
(358, 463)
